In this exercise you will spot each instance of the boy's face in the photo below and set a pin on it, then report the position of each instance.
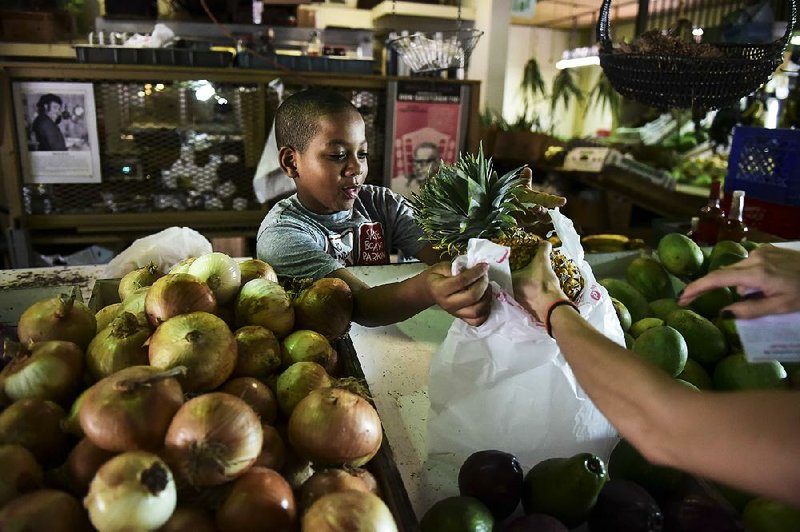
(329, 174)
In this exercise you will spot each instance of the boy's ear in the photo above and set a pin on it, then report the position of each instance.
(287, 158)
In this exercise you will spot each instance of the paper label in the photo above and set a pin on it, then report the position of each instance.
(775, 337)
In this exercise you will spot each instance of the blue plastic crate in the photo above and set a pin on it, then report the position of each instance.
(765, 163)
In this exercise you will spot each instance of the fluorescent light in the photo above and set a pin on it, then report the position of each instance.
(578, 62)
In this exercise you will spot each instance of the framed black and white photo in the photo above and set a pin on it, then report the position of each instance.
(57, 132)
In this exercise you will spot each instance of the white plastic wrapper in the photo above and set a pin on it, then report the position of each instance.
(505, 385)
(164, 248)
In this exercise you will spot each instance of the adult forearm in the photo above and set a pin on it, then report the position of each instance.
(391, 303)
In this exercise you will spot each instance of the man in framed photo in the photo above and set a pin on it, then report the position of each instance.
(45, 126)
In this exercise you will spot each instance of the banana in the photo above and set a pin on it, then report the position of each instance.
(605, 243)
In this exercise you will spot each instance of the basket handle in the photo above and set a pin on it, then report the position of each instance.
(604, 32)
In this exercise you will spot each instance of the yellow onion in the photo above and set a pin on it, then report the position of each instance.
(72, 423)
(44, 510)
(258, 497)
(329, 481)
(36, 425)
(335, 427)
(118, 346)
(51, 370)
(182, 266)
(134, 304)
(354, 511)
(21, 472)
(256, 394)
(273, 450)
(187, 519)
(175, 294)
(132, 491)
(106, 315)
(220, 272)
(258, 352)
(256, 269)
(199, 341)
(82, 464)
(265, 303)
(136, 279)
(58, 318)
(326, 307)
(213, 438)
(308, 346)
(297, 382)
(131, 409)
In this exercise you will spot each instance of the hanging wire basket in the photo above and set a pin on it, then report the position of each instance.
(441, 51)
(681, 82)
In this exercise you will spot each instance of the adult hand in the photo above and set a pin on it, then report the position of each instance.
(465, 296)
(536, 286)
(770, 273)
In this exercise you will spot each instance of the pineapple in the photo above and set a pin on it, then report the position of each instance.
(468, 200)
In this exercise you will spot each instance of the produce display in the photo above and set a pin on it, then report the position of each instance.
(467, 199)
(694, 345)
(209, 398)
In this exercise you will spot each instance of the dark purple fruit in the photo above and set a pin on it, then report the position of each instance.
(624, 506)
(698, 511)
(495, 479)
(535, 522)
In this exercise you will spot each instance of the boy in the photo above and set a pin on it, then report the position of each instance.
(335, 220)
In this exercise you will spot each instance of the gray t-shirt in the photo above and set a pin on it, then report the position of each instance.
(299, 243)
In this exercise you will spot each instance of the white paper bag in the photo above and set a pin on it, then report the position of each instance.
(505, 385)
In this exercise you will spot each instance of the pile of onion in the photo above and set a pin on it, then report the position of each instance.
(178, 293)
(266, 303)
(118, 346)
(354, 511)
(258, 352)
(137, 279)
(335, 427)
(58, 318)
(51, 370)
(326, 307)
(256, 269)
(213, 439)
(220, 272)
(308, 346)
(199, 341)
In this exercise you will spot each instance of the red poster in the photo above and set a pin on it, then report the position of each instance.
(427, 125)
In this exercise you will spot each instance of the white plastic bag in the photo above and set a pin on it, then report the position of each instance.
(505, 385)
(164, 248)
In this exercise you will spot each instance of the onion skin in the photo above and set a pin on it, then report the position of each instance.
(260, 500)
(175, 294)
(256, 269)
(202, 343)
(351, 511)
(36, 425)
(44, 511)
(51, 371)
(308, 346)
(213, 438)
(58, 318)
(334, 427)
(273, 450)
(82, 464)
(256, 394)
(329, 481)
(220, 272)
(72, 423)
(106, 315)
(299, 379)
(326, 307)
(136, 279)
(119, 418)
(182, 266)
(118, 346)
(185, 519)
(135, 304)
(258, 352)
(132, 491)
(368, 478)
(21, 472)
(265, 303)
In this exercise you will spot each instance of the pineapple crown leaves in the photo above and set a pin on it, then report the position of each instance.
(467, 199)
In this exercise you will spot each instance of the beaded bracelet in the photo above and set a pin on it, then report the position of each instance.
(554, 305)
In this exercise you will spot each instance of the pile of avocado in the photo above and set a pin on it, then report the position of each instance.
(629, 494)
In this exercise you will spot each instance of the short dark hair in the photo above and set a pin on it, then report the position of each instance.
(47, 99)
(297, 118)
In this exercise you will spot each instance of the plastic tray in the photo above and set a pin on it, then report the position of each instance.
(304, 63)
(152, 56)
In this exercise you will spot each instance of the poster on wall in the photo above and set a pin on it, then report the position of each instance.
(57, 132)
(427, 125)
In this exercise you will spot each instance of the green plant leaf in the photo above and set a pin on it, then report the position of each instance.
(564, 89)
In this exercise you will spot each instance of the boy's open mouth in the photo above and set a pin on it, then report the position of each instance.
(351, 192)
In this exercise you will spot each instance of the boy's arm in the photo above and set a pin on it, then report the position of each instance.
(465, 295)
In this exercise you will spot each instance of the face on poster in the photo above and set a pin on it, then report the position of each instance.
(57, 132)
(426, 131)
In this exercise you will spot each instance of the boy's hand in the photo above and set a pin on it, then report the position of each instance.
(465, 295)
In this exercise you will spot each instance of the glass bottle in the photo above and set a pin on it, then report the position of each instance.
(734, 227)
(711, 218)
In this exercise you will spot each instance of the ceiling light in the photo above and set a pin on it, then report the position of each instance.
(578, 62)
